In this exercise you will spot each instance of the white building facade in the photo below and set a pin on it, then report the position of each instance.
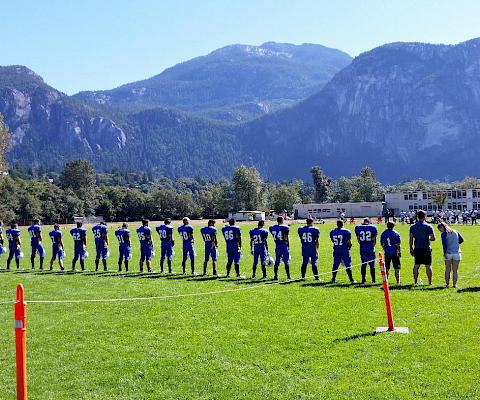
(428, 200)
(332, 210)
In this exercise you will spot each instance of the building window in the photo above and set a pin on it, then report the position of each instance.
(405, 197)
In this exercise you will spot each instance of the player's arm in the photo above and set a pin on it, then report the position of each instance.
(411, 243)
(18, 241)
(266, 243)
(286, 238)
(39, 236)
(214, 241)
(251, 245)
(349, 243)
(190, 235)
(148, 237)
(432, 236)
(239, 241)
(1, 239)
(84, 239)
(105, 239)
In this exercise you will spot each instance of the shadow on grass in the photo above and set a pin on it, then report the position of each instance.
(354, 337)
(401, 287)
(204, 278)
(327, 284)
(415, 287)
(5, 270)
(469, 290)
(180, 276)
(255, 281)
(99, 272)
(121, 275)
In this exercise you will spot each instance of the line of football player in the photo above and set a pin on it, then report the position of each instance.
(309, 235)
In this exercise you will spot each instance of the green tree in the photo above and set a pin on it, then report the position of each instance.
(343, 190)
(247, 186)
(322, 184)
(283, 197)
(4, 143)
(439, 199)
(78, 175)
(366, 186)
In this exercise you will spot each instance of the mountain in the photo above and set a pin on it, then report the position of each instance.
(406, 109)
(234, 83)
(49, 128)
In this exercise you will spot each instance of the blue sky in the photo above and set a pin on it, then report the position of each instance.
(87, 45)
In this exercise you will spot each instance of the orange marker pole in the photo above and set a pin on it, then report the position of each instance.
(21, 343)
(386, 292)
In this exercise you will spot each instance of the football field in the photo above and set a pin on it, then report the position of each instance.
(208, 338)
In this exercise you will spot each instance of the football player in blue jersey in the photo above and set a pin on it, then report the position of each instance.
(14, 245)
(57, 247)
(186, 233)
(79, 235)
(367, 238)
(100, 234)
(233, 239)
(209, 235)
(280, 233)
(144, 234)
(35, 233)
(167, 242)
(259, 248)
(310, 238)
(342, 242)
(391, 242)
(124, 247)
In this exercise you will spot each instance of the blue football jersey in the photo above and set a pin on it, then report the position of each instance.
(12, 236)
(209, 234)
(99, 234)
(123, 237)
(186, 233)
(231, 235)
(259, 237)
(33, 232)
(165, 232)
(340, 238)
(56, 237)
(78, 234)
(280, 234)
(366, 235)
(308, 236)
(389, 240)
(144, 234)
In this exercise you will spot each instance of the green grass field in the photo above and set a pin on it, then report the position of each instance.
(304, 340)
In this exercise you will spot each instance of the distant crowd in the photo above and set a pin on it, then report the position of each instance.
(420, 238)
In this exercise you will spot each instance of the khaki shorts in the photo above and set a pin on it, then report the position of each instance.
(453, 257)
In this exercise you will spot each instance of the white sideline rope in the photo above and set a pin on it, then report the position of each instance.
(175, 296)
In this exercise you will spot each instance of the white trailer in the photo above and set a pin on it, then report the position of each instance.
(333, 210)
(247, 215)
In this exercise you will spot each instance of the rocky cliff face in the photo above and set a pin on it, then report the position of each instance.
(408, 109)
(43, 119)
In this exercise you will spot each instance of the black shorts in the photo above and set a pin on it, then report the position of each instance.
(422, 256)
(395, 260)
